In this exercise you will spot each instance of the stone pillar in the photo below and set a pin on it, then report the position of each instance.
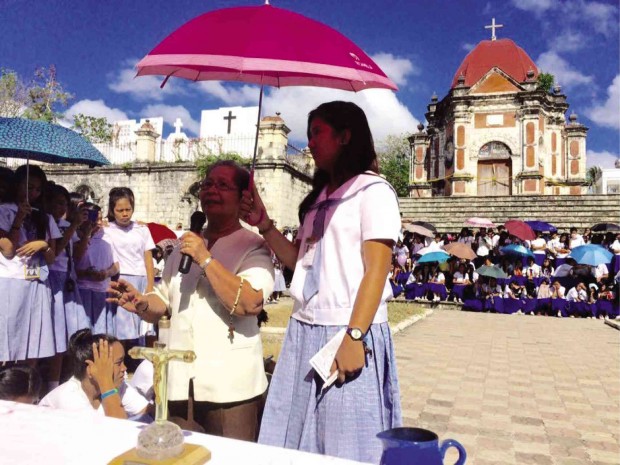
(146, 146)
(418, 175)
(272, 138)
(529, 175)
(576, 155)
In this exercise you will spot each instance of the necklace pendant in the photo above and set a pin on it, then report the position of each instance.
(231, 332)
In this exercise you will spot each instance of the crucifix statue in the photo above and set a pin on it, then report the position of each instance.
(493, 26)
(159, 356)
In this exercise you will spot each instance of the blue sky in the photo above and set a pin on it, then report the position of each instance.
(419, 44)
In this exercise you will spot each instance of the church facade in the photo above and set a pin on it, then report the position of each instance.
(497, 133)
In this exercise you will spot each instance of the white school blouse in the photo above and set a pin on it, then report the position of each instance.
(70, 396)
(14, 268)
(129, 245)
(62, 260)
(224, 370)
(99, 256)
(368, 209)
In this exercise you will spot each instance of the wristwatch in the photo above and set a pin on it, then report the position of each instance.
(355, 333)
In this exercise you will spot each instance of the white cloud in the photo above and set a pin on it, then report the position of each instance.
(468, 47)
(601, 16)
(95, 108)
(244, 95)
(603, 159)
(569, 41)
(565, 74)
(396, 68)
(535, 6)
(143, 88)
(386, 115)
(170, 113)
(608, 114)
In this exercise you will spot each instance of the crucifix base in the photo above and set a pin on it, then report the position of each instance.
(192, 455)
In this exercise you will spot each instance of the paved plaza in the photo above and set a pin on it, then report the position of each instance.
(514, 389)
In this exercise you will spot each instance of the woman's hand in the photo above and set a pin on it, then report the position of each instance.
(127, 296)
(350, 359)
(80, 217)
(252, 209)
(101, 368)
(23, 210)
(32, 247)
(194, 245)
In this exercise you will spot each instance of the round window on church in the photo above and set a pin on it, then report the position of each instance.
(493, 150)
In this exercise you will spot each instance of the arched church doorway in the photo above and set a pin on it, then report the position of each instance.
(494, 169)
(87, 192)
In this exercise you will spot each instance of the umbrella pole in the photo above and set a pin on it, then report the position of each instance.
(27, 178)
(260, 106)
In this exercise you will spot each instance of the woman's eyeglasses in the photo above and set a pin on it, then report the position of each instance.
(219, 185)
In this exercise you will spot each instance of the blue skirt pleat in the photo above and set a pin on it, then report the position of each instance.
(68, 312)
(26, 327)
(344, 420)
(126, 324)
(100, 312)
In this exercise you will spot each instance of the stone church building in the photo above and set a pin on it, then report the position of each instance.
(497, 133)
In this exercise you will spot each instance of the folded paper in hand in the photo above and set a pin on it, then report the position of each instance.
(323, 359)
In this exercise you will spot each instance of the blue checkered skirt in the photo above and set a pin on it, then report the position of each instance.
(98, 310)
(344, 420)
(127, 324)
(68, 313)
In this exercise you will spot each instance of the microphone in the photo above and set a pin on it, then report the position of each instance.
(196, 222)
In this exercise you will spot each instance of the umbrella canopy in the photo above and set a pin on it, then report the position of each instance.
(491, 272)
(480, 222)
(426, 225)
(437, 256)
(263, 45)
(517, 249)
(416, 228)
(460, 250)
(159, 232)
(46, 142)
(520, 229)
(541, 226)
(591, 254)
(605, 227)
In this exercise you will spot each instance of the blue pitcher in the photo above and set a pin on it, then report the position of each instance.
(416, 446)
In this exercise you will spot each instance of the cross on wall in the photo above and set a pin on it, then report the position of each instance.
(230, 117)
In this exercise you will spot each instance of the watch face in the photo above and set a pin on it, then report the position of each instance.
(356, 334)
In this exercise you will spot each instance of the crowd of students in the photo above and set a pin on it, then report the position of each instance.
(545, 281)
(58, 255)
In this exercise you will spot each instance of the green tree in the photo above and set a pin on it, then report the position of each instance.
(205, 160)
(394, 153)
(13, 94)
(95, 130)
(45, 96)
(545, 81)
(593, 174)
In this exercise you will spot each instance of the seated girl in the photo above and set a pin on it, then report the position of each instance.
(97, 384)
(20, 383)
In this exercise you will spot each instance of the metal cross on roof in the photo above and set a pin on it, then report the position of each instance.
(493, 26)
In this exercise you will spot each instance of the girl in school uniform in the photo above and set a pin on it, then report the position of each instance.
(350, 222)
(94, 271)
(27, 246)
(131, 244)
(68, 312)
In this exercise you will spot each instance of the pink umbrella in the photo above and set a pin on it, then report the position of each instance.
(480, 222)
(263, 45)
(520, 229)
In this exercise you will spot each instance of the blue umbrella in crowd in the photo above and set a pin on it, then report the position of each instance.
(542, 226)
(517, 249)
(491, 272)
(46, 142)
(438, 256)
(591, 254)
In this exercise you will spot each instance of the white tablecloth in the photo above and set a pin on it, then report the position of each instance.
(38, 435)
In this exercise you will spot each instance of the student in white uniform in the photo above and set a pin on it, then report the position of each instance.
(132, 244)
(350, 222)
(97, 385)
(27, 245)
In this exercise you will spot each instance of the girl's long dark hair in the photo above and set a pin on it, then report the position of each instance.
(116, 194)
(18, 381)
(356, 157)
(39, 221)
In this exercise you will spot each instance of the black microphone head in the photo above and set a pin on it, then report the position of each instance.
(197, 221)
